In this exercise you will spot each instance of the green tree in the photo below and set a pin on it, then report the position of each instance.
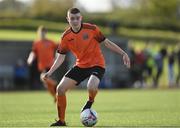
(50, 9)
(154, 8)
(11, 8)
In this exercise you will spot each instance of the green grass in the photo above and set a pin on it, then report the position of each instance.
(25, 35)
(133, 34)
(151, 34)
(118, 108)
(31, 24)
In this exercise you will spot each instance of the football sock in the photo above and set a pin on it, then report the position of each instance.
(89, 103)
(61, 107)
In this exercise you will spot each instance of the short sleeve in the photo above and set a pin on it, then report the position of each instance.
(98, 35)
(62, 48)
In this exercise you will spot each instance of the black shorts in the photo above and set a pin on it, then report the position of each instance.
(80, 74)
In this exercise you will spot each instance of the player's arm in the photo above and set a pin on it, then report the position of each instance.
(32, 54)
(57, 63)
(31, 58)
(113, 47)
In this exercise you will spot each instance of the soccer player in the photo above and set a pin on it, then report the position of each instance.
(44, 49)
(83, 40)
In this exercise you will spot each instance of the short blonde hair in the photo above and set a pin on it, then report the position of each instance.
(40, 30)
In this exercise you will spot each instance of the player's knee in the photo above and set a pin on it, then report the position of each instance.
(92, 87)
(93, 83)
(60, 90)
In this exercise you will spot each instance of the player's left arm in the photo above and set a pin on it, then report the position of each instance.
(113, 47)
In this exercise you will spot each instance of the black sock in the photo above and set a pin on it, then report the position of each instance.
(87, 105)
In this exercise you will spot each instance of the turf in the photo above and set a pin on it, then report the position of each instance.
(133, 34)
(116, 108)
(25, 35)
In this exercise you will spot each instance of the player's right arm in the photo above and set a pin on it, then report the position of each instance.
(57, 63)
(31, 58)
(32, 54)
(61, 54)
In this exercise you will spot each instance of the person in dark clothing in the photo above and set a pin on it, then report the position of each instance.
(20, 74)
(171, 61)
(178, 59)
(159, 58)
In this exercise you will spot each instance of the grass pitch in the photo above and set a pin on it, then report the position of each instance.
(115, 108)
(26, 35)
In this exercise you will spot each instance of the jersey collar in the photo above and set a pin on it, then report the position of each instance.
(77, 31)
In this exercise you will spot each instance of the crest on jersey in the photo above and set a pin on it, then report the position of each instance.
(85, 36)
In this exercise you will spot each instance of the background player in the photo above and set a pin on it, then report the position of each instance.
(44, 49)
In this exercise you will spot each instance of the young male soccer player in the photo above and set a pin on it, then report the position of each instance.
(44, 49)
(83, 40)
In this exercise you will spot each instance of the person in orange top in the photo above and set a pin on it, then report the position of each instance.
(83, 40)
(44, 50)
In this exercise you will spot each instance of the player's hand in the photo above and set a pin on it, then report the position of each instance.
(44, 76)
(126, 60)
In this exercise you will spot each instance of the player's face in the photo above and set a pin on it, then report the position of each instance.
(74, 20)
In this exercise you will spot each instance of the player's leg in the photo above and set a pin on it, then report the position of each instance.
(50, 84)
(92, 85)
(72, 78)
(65, 84)
(62, 88)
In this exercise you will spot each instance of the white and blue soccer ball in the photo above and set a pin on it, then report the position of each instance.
(89, 117)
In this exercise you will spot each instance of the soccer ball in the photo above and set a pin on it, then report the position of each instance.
(88, 117)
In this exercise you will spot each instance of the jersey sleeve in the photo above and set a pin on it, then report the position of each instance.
(62, 48)
(99, 35)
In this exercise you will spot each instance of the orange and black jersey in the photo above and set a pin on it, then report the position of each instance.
(44, 50)
(84, 44)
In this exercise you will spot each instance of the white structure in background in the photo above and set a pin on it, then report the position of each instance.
(92, 6)
(123, 3)
(101, 6)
